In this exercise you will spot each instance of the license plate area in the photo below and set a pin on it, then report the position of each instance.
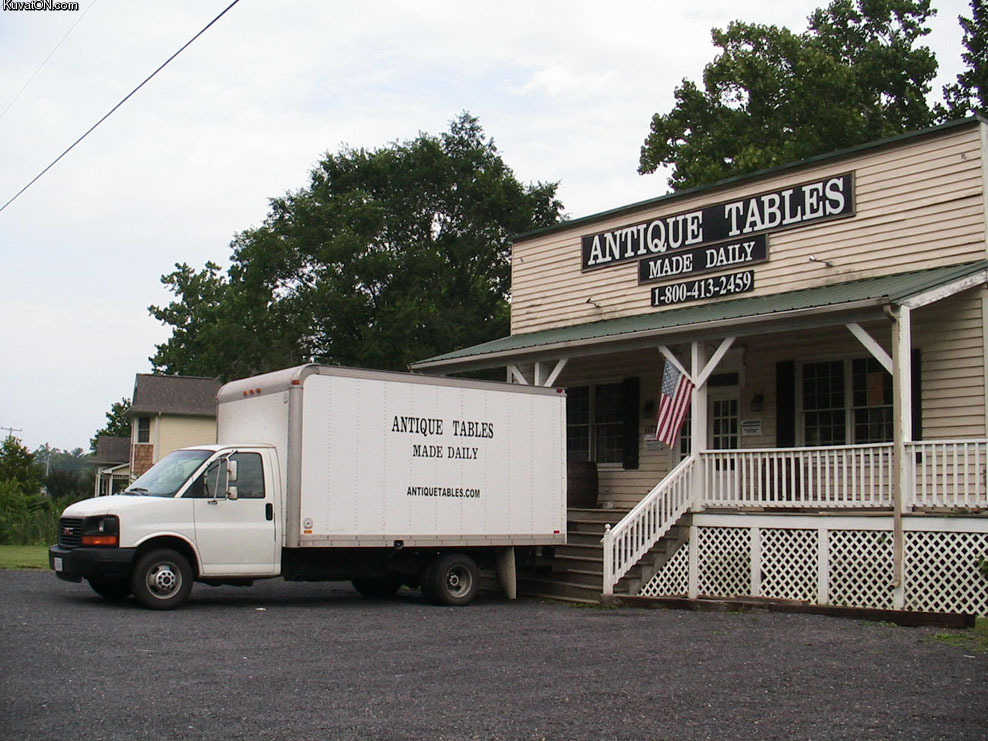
(58, 564)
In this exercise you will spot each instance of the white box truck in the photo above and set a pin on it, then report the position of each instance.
(325, 473)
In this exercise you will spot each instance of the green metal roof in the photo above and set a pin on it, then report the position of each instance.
(890, 289)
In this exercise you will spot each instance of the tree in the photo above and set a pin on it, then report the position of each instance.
(772, 96)
(387, 256)
(17, 465)
(970, 93)
(68, 474)
(117, 423)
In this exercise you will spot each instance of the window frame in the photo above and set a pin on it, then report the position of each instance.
(850, 409)
(593, 425)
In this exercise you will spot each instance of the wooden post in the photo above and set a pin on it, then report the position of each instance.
(698, 422)
(902, 417)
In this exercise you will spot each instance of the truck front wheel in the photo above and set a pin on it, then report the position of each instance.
(162, 579)
(452, 579)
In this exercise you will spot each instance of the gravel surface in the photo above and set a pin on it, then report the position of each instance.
(316, 661)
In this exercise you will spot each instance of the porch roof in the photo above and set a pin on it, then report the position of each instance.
(855, 300)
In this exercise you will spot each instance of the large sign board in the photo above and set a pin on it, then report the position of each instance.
(732, 223)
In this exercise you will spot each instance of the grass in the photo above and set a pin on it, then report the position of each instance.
(975, 639)
(23, 557)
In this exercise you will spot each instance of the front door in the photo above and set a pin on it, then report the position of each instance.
(723, 434)
(236, 536)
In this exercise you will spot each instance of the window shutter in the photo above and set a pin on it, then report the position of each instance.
(631, 396)
(785, 404)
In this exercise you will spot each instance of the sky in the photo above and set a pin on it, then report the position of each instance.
(565, 88)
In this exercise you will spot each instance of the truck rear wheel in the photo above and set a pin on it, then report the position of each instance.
(377, 587)
(162, 579)
(452, 579)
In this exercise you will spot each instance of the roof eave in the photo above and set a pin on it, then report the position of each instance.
(632, 339)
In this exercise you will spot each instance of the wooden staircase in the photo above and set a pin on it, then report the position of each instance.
(575, 572)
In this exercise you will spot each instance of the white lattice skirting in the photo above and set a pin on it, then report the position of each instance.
(829, 560)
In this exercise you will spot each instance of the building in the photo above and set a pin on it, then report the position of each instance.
(112, 461)
(832, 315)
(168, 413)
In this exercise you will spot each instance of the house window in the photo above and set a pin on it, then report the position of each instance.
(871, 390)
(595, 423)
(846, 400)
(143, 429)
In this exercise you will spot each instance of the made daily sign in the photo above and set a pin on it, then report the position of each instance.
(703, 259)
(731, 222)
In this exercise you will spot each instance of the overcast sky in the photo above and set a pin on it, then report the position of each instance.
(566, 89)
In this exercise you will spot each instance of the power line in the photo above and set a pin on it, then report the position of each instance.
(125, 99)
(45, 61)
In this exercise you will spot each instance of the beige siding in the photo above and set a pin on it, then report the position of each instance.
(918, 205)
(181, 432)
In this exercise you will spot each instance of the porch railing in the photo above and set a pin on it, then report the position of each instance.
(949, 473)
(647, 523)
(831, 477)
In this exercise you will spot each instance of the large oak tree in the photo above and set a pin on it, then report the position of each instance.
(387, 256)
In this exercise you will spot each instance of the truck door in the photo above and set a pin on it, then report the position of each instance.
(235, 520)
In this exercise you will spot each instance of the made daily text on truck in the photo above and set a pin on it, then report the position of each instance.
(323, 473)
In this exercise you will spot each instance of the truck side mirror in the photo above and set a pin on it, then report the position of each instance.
(231, 492)
(231, 470)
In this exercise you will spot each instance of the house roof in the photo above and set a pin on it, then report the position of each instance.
(112, 450)
(912, 289)
(185, 395)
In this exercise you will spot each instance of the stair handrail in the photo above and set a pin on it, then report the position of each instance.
(647, 523)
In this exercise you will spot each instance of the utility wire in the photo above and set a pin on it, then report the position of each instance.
(125, 99)
(45, 61)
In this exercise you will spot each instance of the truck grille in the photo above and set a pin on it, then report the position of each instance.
(70, 532)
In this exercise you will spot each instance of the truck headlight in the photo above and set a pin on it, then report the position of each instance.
(102, 530)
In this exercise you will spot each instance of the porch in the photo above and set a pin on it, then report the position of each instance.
(818, 525)
(893, 364)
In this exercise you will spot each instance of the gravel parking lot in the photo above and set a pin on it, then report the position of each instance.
(316, 661)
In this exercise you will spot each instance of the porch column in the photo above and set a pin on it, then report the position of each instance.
(698, 420)
(902, 419)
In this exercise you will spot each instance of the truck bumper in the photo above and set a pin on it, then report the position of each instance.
(76, 564)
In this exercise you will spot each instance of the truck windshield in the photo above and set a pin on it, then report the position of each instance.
(166, 477)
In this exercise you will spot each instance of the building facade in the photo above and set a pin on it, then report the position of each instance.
(832, 317)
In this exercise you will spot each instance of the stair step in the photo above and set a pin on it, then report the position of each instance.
(612, 516)
(529, 586)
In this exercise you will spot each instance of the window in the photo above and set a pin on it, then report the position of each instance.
(250, 479)
(872, 401)
(143, 429)
(846, 400)
(824, 419)
(595, 423)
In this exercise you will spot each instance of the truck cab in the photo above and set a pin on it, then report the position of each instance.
(211, 513)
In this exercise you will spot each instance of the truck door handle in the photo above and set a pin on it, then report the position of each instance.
(268, 511)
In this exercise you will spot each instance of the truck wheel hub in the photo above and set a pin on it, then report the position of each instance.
(163, 580)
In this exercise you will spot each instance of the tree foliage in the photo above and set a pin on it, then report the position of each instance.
(117, 423)
(969, 93)
(17, 465)
(772, 96)
(387, 256)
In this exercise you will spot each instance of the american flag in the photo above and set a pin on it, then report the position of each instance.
(677, 390)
